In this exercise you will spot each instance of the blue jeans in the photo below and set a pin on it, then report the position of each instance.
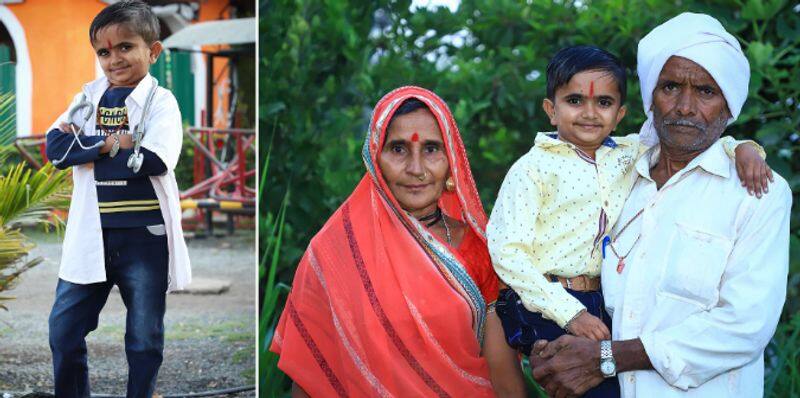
(522, 328)
(137, 262)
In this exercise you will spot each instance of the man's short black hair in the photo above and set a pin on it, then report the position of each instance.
(135, 15)
(570, 61)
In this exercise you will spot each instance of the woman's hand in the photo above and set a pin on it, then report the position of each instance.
(504, 365)
(753, 170)
(589, 326)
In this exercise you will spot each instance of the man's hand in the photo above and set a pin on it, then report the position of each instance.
(589, 326)
(67, 127)
(753, 170)
(567, 366)
(125, 141)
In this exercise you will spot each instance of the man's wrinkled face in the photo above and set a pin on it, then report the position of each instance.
(689, 110)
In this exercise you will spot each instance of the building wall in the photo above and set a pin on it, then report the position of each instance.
(62, 59)
(221, 92)
(61, 56)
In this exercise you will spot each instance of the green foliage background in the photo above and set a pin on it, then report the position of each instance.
(324, 64)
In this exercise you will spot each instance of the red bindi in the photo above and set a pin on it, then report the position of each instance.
(591, 90)
(109, 45)
(414, 137)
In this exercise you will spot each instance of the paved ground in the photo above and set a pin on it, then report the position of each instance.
(210, 339)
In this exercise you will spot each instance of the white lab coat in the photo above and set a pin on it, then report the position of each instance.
(82, 258)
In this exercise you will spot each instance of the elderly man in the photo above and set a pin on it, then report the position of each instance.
(697, 278)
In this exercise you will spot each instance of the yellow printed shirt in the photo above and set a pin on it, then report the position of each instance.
(555, 207)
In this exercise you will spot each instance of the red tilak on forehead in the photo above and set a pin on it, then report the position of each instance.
(591, 90)
(414, 137)
(109, 45)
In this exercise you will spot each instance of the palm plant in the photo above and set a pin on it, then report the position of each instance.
(8, 118)
(28, 197)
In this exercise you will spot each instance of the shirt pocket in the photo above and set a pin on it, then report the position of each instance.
(695, 263)
(157, 230)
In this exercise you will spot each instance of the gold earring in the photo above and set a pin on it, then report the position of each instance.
(450, 185)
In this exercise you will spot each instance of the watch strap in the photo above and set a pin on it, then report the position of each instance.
(608, 366)
(605, 350)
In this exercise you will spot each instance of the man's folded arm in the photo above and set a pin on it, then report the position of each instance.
(116, 168)
(60, 143)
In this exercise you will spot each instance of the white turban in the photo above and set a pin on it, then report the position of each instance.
(701, 39)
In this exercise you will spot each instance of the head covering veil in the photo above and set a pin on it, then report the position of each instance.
(379, 305)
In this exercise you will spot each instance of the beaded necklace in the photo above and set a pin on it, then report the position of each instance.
(434, 218)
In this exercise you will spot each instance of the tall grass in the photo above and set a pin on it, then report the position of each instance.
(272, 382)
(783, 361)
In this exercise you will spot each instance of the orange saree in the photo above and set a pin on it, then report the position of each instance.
(379, 305)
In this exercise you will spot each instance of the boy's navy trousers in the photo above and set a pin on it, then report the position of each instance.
(522, 328)
(137, 262)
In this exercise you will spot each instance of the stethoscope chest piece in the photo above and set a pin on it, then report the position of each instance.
(135, 161)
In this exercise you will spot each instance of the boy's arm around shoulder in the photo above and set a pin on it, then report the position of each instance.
(751, 165)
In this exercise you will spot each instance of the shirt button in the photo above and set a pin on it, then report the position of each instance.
(606, 203)
(631, 378)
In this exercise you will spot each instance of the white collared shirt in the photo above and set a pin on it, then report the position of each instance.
(704, 281)
(82, 257)
(551, 214)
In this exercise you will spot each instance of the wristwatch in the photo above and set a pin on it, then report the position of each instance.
(608, 367)
(114, 146)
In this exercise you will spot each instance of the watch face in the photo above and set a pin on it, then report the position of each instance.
(607, 367)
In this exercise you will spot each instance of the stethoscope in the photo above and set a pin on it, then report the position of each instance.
(137, 158)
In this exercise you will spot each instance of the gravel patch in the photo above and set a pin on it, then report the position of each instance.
(210, 339)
